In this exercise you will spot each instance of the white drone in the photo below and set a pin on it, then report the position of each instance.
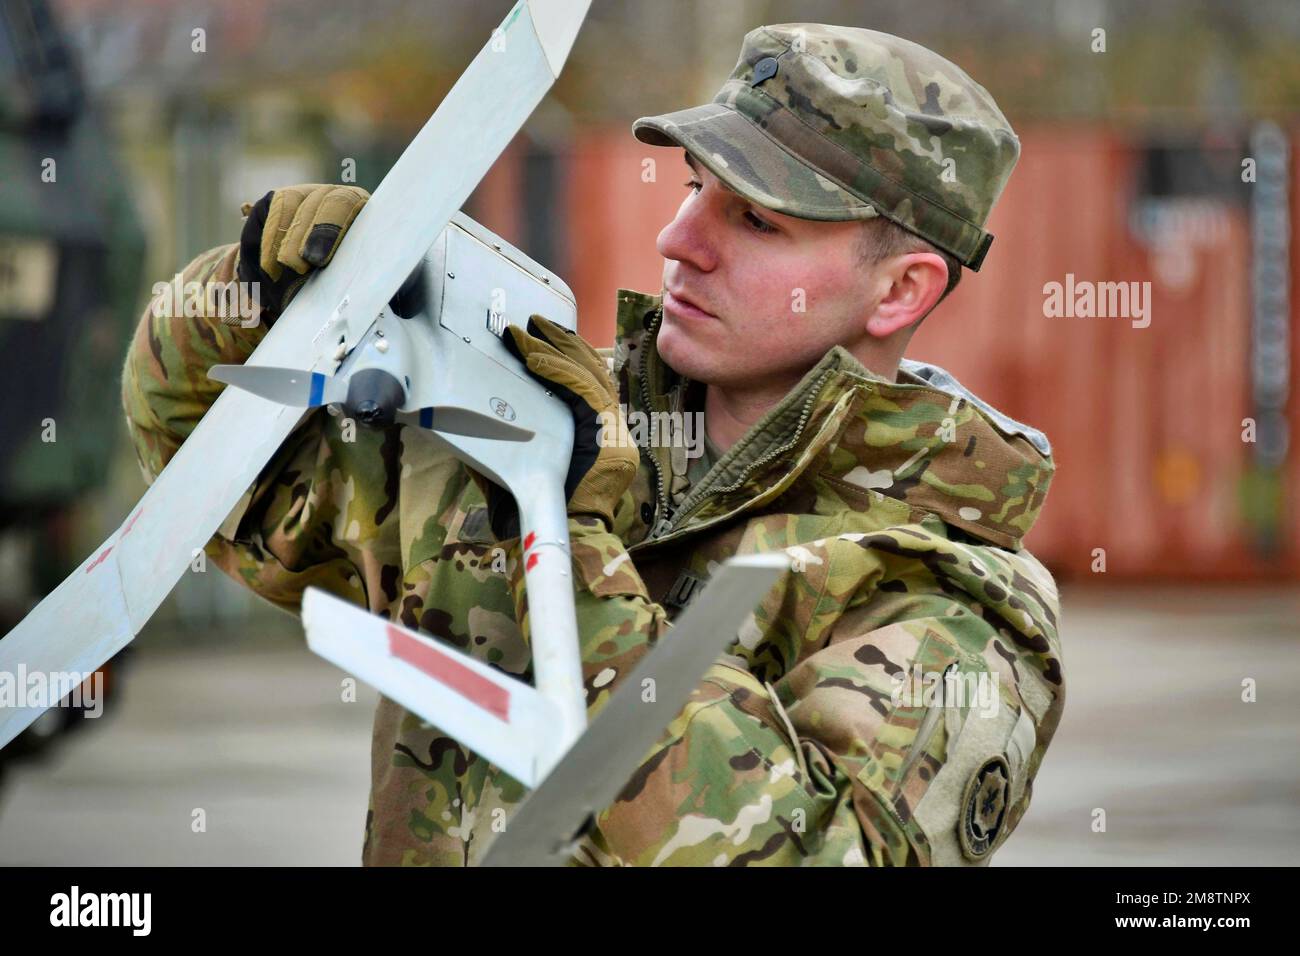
(405, 324)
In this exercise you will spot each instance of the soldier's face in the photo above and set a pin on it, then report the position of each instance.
(753, 297)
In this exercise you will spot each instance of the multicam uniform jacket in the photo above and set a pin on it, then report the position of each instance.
(835, 730)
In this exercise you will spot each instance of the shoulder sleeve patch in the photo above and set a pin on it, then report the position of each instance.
(983, 808)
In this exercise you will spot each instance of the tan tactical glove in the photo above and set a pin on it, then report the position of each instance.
(288, 233)
(604, 458)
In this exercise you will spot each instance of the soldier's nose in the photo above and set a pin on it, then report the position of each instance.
(689, 237)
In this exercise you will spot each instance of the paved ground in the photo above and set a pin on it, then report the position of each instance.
(257, 737)
(1155, 733)
(255, 734)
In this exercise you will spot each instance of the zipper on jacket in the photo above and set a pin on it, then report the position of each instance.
(661, 495)
(697, 495)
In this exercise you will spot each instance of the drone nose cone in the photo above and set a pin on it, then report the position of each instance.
(371, 412)
(374, 396)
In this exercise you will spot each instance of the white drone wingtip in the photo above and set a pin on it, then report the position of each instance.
(557, 23)
(498, 717)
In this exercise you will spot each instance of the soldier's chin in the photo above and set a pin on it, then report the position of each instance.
(680, 354)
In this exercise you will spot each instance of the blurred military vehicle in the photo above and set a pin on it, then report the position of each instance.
(71, 258)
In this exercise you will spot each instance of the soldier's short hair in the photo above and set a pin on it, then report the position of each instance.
(881, 239)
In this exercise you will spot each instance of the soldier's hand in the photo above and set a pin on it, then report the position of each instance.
(604, 459)
(288, 233)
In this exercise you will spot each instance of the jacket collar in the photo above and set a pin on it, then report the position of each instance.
(923, 439)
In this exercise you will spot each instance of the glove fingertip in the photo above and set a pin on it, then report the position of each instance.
(510, 339)
(318, 248)
(547, 330)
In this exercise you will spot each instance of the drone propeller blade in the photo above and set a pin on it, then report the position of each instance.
(284, 386)
(461, 421)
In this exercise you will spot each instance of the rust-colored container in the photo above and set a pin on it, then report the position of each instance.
(1146, 419)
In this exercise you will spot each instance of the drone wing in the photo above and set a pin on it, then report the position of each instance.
(107, 600)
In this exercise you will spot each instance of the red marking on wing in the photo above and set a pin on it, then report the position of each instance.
(446, 670)
(130, 524)
(528, 541)
(94, 564)
(532, 560)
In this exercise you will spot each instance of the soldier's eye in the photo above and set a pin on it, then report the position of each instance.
(695, 186)
(758, 224)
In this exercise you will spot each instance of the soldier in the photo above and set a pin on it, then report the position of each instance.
(891, 699)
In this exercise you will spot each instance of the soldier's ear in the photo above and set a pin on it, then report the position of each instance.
(910, 285)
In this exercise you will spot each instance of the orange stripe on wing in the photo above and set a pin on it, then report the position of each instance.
(448, 671)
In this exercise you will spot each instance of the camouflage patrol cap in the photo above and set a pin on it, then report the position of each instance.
(829, 122)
